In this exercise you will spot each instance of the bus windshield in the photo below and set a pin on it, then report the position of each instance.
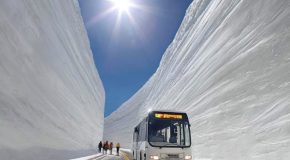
(168, 132)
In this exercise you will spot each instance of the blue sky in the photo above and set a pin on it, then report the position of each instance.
(127, 48)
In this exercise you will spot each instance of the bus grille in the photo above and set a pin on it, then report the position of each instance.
(171, 157)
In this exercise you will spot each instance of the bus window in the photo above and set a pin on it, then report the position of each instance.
(136, 134)
(187, 134)
(168, 132)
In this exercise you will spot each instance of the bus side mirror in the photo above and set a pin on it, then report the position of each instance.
(136, 130)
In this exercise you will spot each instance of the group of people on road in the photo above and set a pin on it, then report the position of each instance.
(108, 146)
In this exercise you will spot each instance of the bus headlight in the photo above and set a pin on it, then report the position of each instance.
(187, 157)
(154, 157)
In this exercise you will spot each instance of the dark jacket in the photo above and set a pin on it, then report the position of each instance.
(100, 145)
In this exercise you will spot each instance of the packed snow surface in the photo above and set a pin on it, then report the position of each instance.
(51, 97)
(229, 69)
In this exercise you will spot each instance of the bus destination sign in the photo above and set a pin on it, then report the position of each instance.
(168, 116)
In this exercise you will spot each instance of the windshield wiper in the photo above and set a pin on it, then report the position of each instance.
(173, 145)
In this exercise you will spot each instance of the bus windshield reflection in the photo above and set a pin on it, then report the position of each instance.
(168, 132)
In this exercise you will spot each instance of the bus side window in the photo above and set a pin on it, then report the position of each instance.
(136, 134)
(142, 131)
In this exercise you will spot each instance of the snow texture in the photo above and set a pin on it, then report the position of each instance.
(51, 97)
(228, 67)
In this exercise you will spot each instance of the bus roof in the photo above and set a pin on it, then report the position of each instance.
(167, 111)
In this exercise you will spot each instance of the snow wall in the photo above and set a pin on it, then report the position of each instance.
(228, 67)
(51, 97)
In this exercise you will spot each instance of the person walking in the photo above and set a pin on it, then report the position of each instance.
(104, 147)
(111, 148)
(118, 148)
(100, 146)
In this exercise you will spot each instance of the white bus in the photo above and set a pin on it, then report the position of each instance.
(162, 135)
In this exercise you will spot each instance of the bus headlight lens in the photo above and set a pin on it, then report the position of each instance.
(154, 157)
(187, 157)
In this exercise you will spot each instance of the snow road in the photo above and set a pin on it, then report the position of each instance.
(109, 157)
(125, 154)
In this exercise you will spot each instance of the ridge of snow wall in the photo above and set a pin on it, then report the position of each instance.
(228, 67)
(51, 97)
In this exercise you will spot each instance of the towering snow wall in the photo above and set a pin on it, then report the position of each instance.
(229, 69)
(51, 96)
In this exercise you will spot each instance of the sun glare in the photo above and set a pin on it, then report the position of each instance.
(121, 5)
(124, 9)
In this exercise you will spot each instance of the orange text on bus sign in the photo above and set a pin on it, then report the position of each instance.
(172, 116)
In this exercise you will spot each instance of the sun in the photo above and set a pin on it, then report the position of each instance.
(121, 5)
